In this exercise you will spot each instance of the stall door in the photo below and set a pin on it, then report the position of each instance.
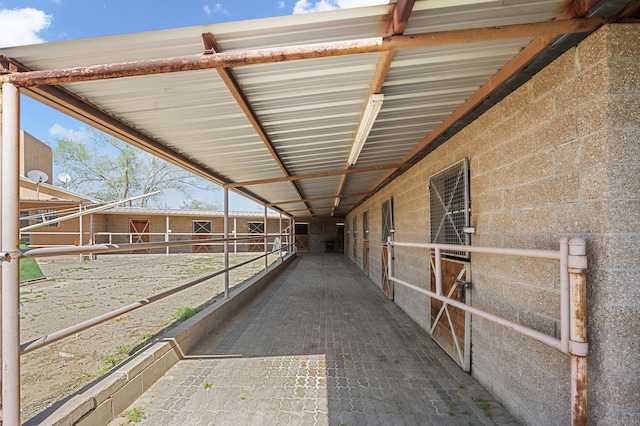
(201, 231)
(355, 240)
(365, 243)
(387, 231)
(302, 237)
(450, 211)
(256, 244)
(139, 230)
(450, 326)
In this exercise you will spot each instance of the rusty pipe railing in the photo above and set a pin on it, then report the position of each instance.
(61, 334)
(573, 314)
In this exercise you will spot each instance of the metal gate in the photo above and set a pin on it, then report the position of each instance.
(139, 230)
(449, 326)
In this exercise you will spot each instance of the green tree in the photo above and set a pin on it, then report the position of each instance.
(109, 169)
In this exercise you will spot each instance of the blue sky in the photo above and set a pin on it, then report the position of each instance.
(38, 21)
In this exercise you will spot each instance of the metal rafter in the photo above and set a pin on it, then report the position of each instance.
(401, 14)
(574, 9)
(230, 80)
(317, 175)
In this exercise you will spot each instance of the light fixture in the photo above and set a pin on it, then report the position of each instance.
(368, 118)
(336, 202)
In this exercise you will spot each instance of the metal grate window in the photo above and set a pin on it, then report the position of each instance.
(450, 207)
(256, 227)
(387, 219)
(365, 226)
(202, 227)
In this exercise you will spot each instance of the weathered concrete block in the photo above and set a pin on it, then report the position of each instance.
(519, 197)
(538, 220)
(128, 393)
(152, 374)
(581, 218)
(555, 74)
(558, 189)
(593, 82)
(102, 415)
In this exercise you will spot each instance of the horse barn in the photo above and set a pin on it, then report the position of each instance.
(484, 159)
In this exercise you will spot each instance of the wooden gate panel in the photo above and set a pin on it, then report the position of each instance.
(365, 257)
(139, 230)
(387, 284)
(302, 243)
(450, 326)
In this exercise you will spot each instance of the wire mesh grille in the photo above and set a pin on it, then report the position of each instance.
(387, 219)
(449, 206)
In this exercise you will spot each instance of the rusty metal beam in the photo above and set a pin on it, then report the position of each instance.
(401, 15)
(230, 80)
(309, 51)
(316, 208)
(328, 197)
(318, 175)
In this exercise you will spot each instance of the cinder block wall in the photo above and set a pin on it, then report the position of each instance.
(558, 157)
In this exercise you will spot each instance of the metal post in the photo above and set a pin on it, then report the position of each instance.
(438, 272)
(226, 242)
(80, 231)
(10, 223)
(280, 235)
(293, 235)
(578, 347)
(565, 305)
(266, 242)
(389, 258)
(235, 235)
(166, 232)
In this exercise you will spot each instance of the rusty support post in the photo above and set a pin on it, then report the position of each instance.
(10, 223)
(578, 347)
(226, 242)
(266, 242)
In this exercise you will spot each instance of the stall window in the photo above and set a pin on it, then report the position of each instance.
(450, 207)
(387, 219)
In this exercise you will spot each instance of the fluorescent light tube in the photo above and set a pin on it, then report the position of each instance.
(368, 118)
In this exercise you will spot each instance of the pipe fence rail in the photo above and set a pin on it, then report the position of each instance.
(572, 259)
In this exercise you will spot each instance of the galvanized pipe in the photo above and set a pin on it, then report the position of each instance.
(10, 224)
(61, 334)
(537, 253)
(578, 347)
(108, 248)
(565, 312)
(546, 339)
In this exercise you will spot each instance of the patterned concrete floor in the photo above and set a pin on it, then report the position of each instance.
(320, 346)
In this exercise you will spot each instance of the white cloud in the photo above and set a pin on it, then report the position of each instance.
(216, 8)
(306, 6)
(60, 132)
(281, 4)
(21, 26)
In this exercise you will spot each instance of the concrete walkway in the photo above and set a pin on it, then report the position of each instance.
(320, 346)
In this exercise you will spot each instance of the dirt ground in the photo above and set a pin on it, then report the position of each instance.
(77, 290)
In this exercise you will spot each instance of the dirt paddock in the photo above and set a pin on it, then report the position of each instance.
(76, 290)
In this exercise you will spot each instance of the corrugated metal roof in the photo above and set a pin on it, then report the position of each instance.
(310, 109)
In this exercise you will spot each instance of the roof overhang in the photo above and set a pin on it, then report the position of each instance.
(270, 108)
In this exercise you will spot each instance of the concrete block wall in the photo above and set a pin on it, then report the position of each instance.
(559, 157)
